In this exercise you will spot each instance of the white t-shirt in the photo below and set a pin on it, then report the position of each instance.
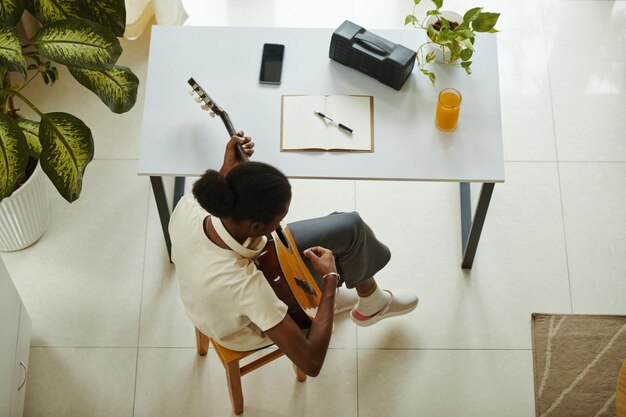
(224, 293)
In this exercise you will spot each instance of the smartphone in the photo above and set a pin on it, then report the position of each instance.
(272, 63)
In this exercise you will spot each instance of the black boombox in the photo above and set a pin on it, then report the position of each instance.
(379, 58)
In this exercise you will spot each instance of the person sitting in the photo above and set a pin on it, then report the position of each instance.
(219, 229)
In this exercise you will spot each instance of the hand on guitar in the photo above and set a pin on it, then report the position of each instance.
(231, 156)
(323, 261)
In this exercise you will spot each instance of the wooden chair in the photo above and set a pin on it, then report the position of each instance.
(234, 371)
(620, 393)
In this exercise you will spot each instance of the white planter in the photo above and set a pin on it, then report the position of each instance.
(25, 214)
(441, 54)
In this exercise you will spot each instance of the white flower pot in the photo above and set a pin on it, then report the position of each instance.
(441, 54)
(25, 214)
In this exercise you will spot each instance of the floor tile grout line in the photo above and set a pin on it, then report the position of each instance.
(356, 340)
(558, 164)
(143, 276)
(330, 348)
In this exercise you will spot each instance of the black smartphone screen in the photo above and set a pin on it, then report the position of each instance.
(272, 63)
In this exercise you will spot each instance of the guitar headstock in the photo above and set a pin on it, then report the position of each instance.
(209, 103)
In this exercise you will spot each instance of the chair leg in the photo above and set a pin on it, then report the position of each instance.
(300, 376)
(233, 376)
(202, 343)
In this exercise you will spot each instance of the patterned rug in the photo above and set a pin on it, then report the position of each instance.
(576, 361)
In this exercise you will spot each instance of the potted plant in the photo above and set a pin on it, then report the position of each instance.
(450, 36)
(83, 36)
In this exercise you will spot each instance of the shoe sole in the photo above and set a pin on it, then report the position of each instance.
(375, 319)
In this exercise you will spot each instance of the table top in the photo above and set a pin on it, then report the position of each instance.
(178, 138)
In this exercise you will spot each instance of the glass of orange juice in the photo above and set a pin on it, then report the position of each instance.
(448, 106)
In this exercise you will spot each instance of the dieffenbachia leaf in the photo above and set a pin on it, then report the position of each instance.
(13, 154)
(11, 11)
(51, 10)
(110, 14)
(78, 43)
(11, 50)
(66, 149)
(116, 87)
(30, 128)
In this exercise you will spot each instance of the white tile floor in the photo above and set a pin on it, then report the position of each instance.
(110, 337)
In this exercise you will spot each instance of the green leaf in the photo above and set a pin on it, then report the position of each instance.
(445, 36)
(466, 54)
(109, 13)
(78, 43)
(430, 57)
(30, 128)
(472, 14)
(431, 75)
(410, 19)
(13, 154)
(11, 12)
(433, 13)
(417, 2)
(11, 50)
(466, 66)
(48, 11)
(438, 3)
(485, 22)
(66, 149)
(432, 33)
(53, 73)
(468, 43)
(116, 87)
(465, 33)
(455, 51)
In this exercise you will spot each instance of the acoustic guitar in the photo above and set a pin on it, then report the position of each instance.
(280, 261)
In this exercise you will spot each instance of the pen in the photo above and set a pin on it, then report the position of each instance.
(323, 116)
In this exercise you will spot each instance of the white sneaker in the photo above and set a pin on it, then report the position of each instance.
(345, 299)
(402, 302)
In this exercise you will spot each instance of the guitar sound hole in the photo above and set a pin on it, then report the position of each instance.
(306, 287)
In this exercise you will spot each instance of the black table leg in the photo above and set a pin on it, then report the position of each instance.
(164, 211)
(179, 189)
(471, 228)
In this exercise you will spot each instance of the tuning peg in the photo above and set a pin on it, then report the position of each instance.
(204, 107)
(191, 92)
(212, 114)
(198, 99)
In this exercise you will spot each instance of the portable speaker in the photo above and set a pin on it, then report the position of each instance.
(354, 46)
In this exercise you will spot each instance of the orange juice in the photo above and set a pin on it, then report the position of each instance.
(448, 107)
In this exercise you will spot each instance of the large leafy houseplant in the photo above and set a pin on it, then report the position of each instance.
(83, 36)
(454, 39)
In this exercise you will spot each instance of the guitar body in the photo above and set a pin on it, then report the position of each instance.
(289, 277)
(280, 261)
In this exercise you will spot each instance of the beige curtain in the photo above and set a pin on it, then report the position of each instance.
(140, 13)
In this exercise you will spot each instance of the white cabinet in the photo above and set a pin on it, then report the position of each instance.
(15, 328)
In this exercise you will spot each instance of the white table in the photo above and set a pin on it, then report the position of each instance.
(178, 139)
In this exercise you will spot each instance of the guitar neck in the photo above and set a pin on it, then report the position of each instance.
(210, 105)
(228, 124)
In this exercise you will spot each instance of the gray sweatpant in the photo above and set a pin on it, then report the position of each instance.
(358, 254)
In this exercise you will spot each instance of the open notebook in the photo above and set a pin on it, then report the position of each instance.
(303, 128)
